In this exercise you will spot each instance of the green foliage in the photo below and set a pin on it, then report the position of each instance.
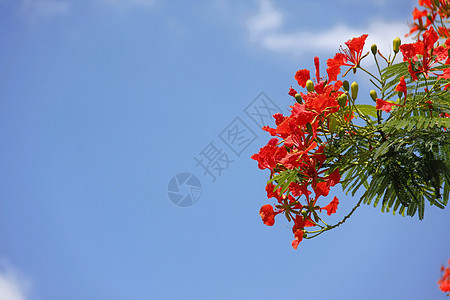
(409, 171)
(284, 178)
(402, 162)
(367, 109)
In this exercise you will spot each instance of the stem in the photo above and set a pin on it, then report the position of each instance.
(375, 84)
(370, 74)
(323, 222)
(347, 216)
(395, 55)
(319, 232)
(378, 65)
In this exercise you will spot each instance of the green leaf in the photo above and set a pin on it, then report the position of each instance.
(368, 110)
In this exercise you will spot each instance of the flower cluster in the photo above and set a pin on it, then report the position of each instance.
(295, 155)
(319, 141)
(444, 281)
(427, 18)
(424, 56)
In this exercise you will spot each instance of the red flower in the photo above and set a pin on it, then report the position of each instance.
(334, 66)
(444, 31)
(422, 56)
(409, 52)
(425, 3)
(334, 178)
(292, 92)
(385, 105)
(447, 43)
(351, 57)
(444, 281)
(298, 238)
(279, 118)
(429, 38)
(272, 131)
(265, 157)
(401, 87)
(355, 48)
(268, 214)
(302, 76)
(276, 193)
(320, 156)
(445, 74)
(321, 189)
(269, 156)
(445, 286)
(441, 53)
(271, 192)
(292, 160)
(419, 24)
(273, 142)
(297, 190)
(300, 115)
(418, 14)
(332, 206)
(297, 229)
(316, 65)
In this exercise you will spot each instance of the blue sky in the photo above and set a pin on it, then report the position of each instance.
(103, 102)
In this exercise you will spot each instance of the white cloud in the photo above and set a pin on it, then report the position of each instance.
(13, 286)
(266, 21)
(265, 29)
(36, 9)
(380, 33)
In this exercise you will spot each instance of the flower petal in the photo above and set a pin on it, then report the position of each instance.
(267, 214)
(332, 206)
(385, 105)
(302, 76)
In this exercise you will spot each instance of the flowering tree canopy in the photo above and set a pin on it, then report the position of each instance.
(397, 150)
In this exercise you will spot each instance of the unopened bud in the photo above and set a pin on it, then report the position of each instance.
(332, 124)
(310, 86)
(346, 85)
(373, 95)
(342, 100)
(304, 212)
(299, 99)
(396, 44)
(374, 49)
(354, 88)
